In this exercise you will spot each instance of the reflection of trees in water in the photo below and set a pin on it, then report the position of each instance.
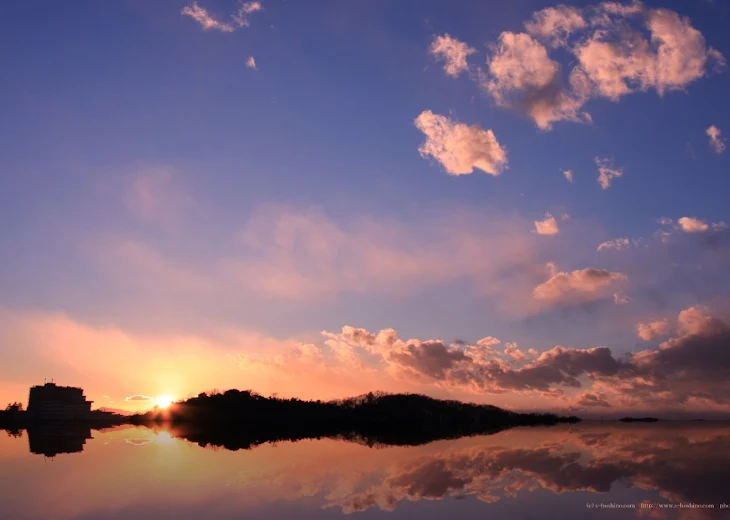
(236, 437)
(243, 419)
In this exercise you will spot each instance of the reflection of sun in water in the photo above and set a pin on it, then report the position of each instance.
(164, 438)
(163, 401)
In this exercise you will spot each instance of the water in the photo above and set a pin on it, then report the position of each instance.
(522, 473)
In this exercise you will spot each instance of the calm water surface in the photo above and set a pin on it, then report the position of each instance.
(522, 473)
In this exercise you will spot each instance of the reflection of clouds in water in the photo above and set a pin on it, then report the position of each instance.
(162, 437)
(138, 442)
(682, 465)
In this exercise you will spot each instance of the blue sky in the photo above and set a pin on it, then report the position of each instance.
(141, 155)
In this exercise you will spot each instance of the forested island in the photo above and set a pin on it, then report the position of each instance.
(241, 419)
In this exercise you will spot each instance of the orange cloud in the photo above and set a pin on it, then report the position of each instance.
(458, 147)
(547, 226)
(583, 285)
(652, 329)
(453, 52)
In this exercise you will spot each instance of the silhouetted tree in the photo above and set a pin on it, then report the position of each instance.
(14, 407)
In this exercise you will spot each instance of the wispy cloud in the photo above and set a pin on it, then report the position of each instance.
(245, 9)
(453, 52)
(716, 142)
(251, 63)
(208, 21)
(616, 244)
(607, 172)
(138, 397)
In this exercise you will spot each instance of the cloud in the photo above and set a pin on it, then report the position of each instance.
(716, 142)
(138, 397)
(251, 63)
(692, 225)
(690, 371)
(620, 49)
(238, 19)
(244, 9)
(206, 21)
(522, 76)
(157, 195)
(477, 368)
(619, 298)
(691, 368)
(653, 329)
(695, 225)
(618, 60)
(556, 24)
(568, 174)
(458, 147)
(607, 172)
(304, 255)
(616, 244)
(136, 264)
(547, 226)
(681, 464)
(580, 286)
(593, 400)
(453, 52)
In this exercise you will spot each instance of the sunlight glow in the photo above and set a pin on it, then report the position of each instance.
(163, 401)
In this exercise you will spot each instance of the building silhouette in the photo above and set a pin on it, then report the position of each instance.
(51, 402)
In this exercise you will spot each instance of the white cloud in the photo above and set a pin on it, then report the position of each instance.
(453, 52)
(607, 172)
(692, 225)
(201, 16)
(618, 244)
(568, 175)
(716, 142)
(251, 63)
(458, 147)
(583, 285)
(556, 24)
(547, 226)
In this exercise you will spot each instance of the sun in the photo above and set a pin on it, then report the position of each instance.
(163, 401)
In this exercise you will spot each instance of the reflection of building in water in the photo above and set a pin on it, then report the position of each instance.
(58, 438)
(52, 402)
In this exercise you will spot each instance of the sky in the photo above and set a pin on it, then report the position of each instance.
(520, 204)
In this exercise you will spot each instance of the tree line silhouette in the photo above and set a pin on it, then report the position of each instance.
(241, 419)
